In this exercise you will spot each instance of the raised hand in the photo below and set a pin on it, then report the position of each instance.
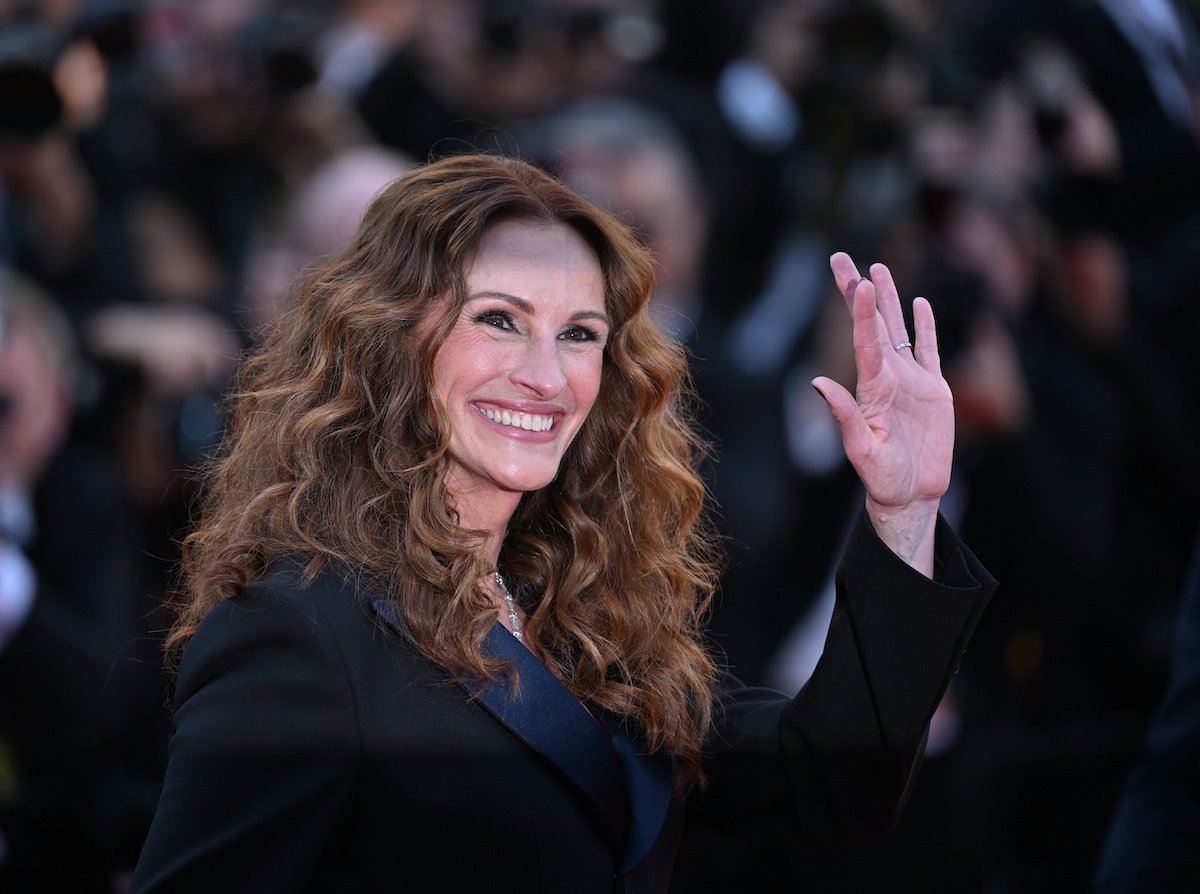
(898, 427)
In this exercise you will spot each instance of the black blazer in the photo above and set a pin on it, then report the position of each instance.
(316, 750)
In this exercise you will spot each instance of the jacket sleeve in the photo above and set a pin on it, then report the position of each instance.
(835, 763)
(263, 753)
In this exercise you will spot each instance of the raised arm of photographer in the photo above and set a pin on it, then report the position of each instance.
(898, 426)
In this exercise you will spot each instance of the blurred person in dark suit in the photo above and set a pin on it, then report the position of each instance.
(67, 605)
(1151, 844)
(1140, 60)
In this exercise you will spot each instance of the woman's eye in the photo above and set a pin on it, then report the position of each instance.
(579, 334)
(498, 319)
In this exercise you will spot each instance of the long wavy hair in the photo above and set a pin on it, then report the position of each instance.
(337, 451)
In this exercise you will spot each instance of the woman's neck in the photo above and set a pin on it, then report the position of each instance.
(491, 515)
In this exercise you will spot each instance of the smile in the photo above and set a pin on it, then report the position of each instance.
(526, 421)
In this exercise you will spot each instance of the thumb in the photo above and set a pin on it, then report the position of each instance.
(843, 406)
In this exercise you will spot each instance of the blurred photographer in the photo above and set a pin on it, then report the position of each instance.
(47, 201)
(67, 591)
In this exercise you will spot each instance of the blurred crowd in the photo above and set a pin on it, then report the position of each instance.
(169, 168)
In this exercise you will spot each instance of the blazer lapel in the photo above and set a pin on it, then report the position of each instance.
(547, 717)
(550, 720)
(651, 779)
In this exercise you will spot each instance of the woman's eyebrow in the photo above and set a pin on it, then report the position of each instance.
(593, 315)
(515, 300)
(527, 307)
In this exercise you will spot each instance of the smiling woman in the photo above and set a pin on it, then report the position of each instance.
(518, 374)
(470, 426)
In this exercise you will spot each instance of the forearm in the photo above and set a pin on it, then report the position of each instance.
(834, 764)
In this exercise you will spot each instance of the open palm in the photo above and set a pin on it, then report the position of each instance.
(898, 427)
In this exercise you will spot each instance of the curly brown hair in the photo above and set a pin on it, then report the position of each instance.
(337, 450)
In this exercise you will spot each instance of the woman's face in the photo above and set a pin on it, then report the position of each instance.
(520, 370)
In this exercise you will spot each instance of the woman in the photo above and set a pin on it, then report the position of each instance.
(443, 629)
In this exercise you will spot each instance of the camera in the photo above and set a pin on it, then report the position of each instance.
(31, 105)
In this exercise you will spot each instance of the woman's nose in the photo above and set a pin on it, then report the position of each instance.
(539, 368)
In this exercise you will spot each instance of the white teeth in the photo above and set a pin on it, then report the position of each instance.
(527, 421)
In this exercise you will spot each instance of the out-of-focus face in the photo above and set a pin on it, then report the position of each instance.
(34, 407)
(521, 369)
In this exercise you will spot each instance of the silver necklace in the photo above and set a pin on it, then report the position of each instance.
(513, 621)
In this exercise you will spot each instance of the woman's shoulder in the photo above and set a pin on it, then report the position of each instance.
(292, 600)
(299, 583)
(298, 573)
(321, 622)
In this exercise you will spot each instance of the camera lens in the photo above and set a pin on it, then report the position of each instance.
(31, 103)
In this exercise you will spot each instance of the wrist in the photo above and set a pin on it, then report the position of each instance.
(908, 531)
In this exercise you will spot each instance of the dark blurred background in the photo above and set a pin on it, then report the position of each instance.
(168, 168)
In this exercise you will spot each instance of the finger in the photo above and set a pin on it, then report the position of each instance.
(870, 334)
(846, 275)
(927, 352)
(846, 414)
(887, 297)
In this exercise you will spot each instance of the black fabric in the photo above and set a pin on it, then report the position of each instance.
(316, 750)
